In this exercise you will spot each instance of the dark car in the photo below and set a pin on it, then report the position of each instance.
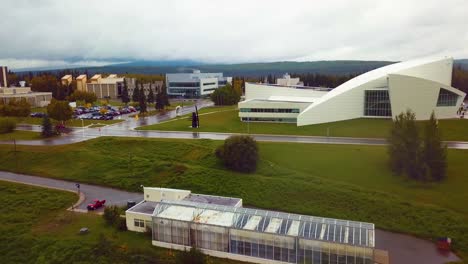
(37, 114)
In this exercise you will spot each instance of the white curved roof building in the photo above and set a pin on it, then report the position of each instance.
(422, 85)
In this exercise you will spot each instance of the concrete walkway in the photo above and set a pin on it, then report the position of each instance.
(90, 192)
(403, 249)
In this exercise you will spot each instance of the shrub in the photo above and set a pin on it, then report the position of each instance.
(239, 153)
(87, 97)
(15, 108)
(7, 125)
(112, 217)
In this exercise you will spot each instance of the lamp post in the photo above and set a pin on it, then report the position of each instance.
(82, 126)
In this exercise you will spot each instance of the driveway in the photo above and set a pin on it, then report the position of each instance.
(403, 249)
(91, 192)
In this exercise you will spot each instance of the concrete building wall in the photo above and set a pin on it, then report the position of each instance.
(130, 218)
(347, 100)
(270, 105)
(420, 96)
(81, 83)
(158, 194)
(3, 76)
(262, 91)
(66, 80)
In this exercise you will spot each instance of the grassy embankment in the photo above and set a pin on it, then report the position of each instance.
(350, 182)
(226, 119)
(37, 229)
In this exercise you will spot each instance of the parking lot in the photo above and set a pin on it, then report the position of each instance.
(96, 112)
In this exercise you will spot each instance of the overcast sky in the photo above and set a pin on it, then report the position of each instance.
(47, 33)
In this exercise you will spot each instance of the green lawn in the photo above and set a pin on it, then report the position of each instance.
(21, 135)
(229, 122)
(343, 181)
(37, 229)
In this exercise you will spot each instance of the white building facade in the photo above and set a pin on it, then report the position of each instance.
(423, 86)
(194, 84)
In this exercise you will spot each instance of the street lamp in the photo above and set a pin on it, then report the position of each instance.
(82, 126)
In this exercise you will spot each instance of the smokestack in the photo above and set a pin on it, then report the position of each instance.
(3, 76)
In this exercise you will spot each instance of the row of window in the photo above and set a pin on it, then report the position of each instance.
(266, 119)
(377, 103)
(269, 110)
(211, 83)
(139, 223)
(185, 91)
(209, 89)
(447, 98)
(184, 84)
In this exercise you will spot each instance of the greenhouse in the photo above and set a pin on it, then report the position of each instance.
(261, 236)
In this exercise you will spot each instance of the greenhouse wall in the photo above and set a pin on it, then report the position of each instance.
(253, 246)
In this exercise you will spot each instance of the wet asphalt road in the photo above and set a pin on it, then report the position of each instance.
(403, 249)
(91, 192)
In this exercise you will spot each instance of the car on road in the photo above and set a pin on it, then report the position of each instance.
(96, 205)
(37, 114)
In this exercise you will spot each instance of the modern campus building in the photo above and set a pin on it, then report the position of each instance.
(221, 227)
(422, 86)
(110, 87)
(36, 99)
(288, 81)
(194, 84)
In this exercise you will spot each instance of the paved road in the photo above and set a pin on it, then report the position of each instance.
(403, 249)
(91, 192)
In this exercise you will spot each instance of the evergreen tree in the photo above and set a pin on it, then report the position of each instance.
(434, 152)
(150, 94)
(136, 93)
(47, 130)
(405, 147)
(142, 100)
(125, 98)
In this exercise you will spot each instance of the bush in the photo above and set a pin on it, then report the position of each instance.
(239, 153)
(7, 125)
(194, 256)
(112, 217)
(87, 97)
(225, 96)
(15, 108)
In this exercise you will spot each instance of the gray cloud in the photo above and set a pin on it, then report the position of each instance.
(230, 31)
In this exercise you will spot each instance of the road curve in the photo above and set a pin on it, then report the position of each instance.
(403, 249)
(91, 192)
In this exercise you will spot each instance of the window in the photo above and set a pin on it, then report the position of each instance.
(377, 103)
(211, 83)
(265, 119)
(447, 98)
(270, 110)
(139, 223)
(184, 84)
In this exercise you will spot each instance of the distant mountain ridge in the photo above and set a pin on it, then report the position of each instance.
(337, 67)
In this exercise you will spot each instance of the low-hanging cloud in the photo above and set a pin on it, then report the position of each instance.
(224, 31)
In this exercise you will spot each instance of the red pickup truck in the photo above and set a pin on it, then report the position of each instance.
(96, 204)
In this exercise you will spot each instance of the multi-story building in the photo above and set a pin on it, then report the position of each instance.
(288, 81)
(423, 86)
(36, 99)
(81, 82)
(194, 84)
(156, 86)
(66, 80)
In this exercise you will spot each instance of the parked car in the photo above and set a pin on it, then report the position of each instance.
(96, 204)
(37, 114)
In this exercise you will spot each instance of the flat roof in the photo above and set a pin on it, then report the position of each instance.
(145, 207)
(273, 222)
(212, 199)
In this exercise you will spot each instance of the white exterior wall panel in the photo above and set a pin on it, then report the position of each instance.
(420, 96)
(262, 91)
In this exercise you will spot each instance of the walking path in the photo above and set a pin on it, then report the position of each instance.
(403, 249)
